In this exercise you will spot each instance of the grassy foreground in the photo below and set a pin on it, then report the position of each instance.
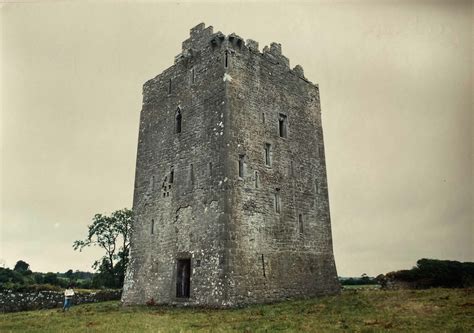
(434, 310)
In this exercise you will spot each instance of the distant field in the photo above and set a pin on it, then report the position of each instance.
(362, 286)
(360, 310)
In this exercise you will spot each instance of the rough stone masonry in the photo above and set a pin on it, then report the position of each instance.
(231, 200)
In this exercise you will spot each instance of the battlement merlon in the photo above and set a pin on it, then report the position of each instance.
(200, 37)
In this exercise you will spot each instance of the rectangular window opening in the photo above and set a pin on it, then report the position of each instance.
(171, 175)
(152, 226)
(169, 86)
(226, 59)
(300, 223)
(263, 266)
(183, 278)
(277, 201)
(241, 165)
(268, 154)
(193, 75)
(178, 121)
(263, 117)
(191, 173)
(257, 180)
(283, 125)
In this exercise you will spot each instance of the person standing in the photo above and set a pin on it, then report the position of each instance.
(68, 295)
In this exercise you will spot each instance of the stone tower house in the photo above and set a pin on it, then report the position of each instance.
(231, 201)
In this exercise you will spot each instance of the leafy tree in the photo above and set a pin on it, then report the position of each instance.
(69, 274)
(354, 281)
(8, 275)
(365, 278)
(112, 234)
(38, 277)
(437, 273)
(21, 266)
(51, 278)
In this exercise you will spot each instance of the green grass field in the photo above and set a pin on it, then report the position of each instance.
(358, 310)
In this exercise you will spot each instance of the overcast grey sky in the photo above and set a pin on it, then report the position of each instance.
(396, 93)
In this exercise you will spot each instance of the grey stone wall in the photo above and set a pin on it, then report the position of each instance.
(187, 211)
(276, 255)
(13, 301)
(189, 199)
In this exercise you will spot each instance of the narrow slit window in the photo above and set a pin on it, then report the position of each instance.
(263, 117)
(300, 223)
(171, 175)
(283, 125)
(277, 201)
(268, 154)
(169, 86)
(226, 59)
(320, 152)
(210, 168)
(241, 166)
(191, 173)
(193, 75)
(257, 180)
(263, 266)
(179, 119)
(152, 226)
(152, 184)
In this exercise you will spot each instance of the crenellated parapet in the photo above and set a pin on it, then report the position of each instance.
(252, 45)
(198, 37)
(273, 53)
(202, 37)
(298, 70)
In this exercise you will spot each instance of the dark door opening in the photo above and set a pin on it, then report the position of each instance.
(183, 278)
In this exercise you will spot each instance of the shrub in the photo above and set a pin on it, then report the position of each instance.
(437, 273)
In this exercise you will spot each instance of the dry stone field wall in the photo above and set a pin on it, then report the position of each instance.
(13, 301)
